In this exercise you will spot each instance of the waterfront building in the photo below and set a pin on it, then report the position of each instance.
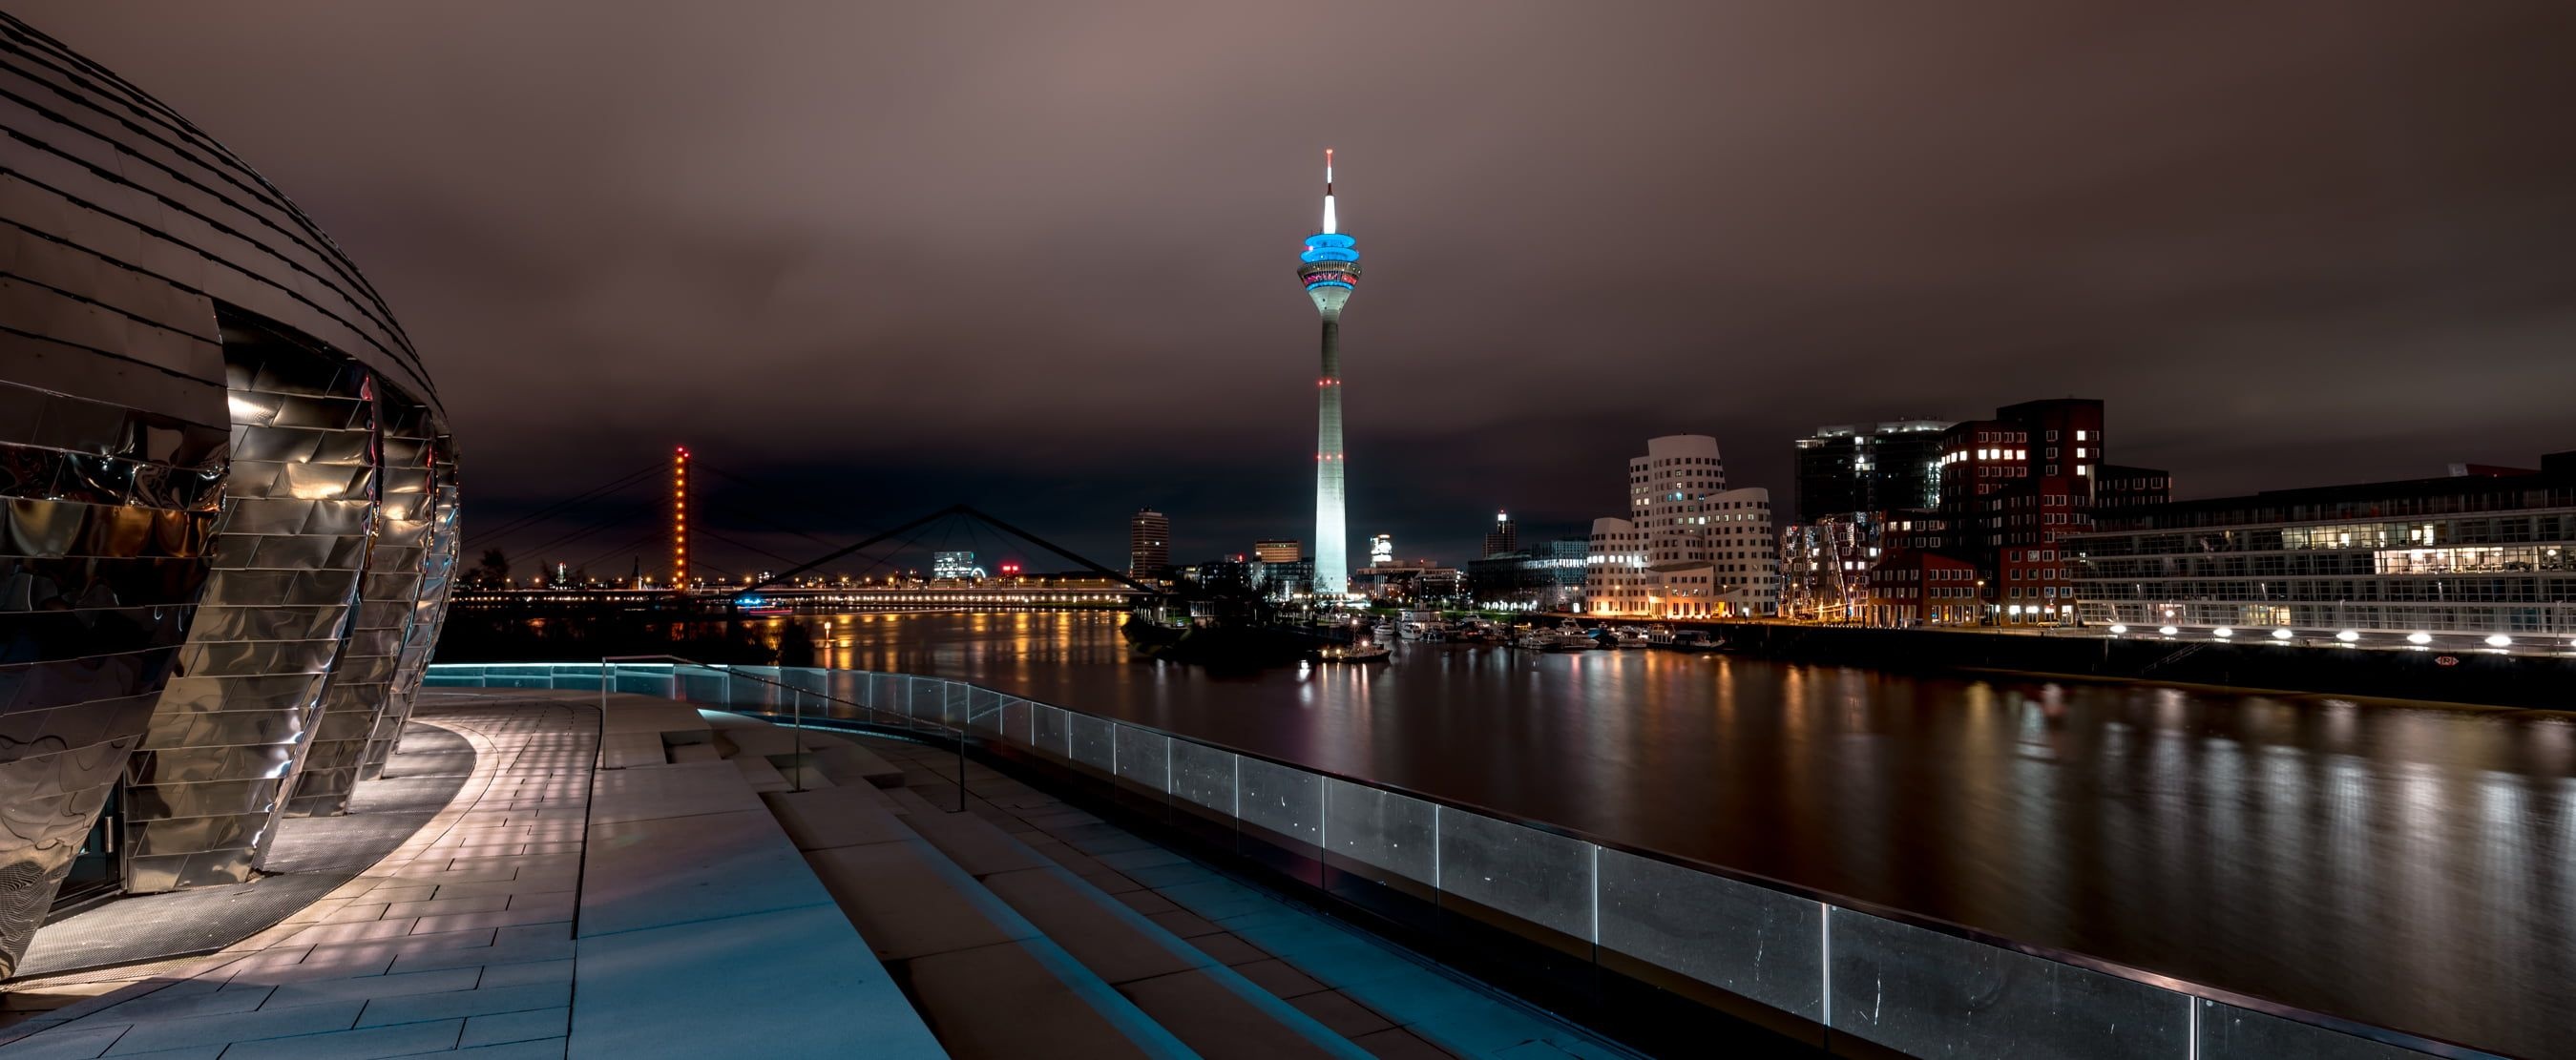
(1276, 550)
(955, 566)
(1503, 537)
(231, 502)
(1911, 586)
(2457, 559)
(1329, 267)
(1420, 581)
(1824, 566)
(1381, 550)
(1689, 546)
(1149, 545)
(1868, 468)
(1550, 578)
(2011, 489)
(1283, 579)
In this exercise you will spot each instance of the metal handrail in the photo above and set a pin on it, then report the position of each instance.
(2387, 1035)
(797, 719)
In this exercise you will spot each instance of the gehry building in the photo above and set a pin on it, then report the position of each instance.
(230, 501)
(1689, 547)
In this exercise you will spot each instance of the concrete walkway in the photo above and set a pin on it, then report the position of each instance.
(460, 940)
(566, 903)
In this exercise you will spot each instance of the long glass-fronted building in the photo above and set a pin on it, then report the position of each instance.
(227, 501)
(2488, 553)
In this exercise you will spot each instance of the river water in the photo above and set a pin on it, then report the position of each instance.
(2409, 866)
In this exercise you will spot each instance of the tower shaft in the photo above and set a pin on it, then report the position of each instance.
(1332, 538)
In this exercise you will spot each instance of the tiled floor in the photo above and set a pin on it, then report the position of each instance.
(460, 941)
(1381, 999)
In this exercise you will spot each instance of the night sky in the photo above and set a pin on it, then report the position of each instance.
(871, 259)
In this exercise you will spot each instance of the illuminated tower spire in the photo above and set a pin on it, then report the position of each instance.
(1329, 267)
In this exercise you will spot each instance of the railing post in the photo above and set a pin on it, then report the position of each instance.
(800, 738)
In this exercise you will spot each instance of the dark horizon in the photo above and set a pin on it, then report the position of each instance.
(886, 261)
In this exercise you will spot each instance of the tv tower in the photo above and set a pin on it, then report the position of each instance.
(1330, 267)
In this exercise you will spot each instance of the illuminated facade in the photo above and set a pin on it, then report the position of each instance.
(231, 502)
(1689, 547)
(1381, 550)
(1330, 267)
(1278, 550)
(955, 566)
(2485, 553)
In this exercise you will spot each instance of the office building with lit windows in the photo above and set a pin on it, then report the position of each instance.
(2488, 552)
(1868, 468)
(1149, 545)
(1689, 547)
(2015, 487)
(1279, 550)
(231, 503)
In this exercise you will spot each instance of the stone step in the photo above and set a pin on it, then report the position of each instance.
(987, 981)
(853, 765)
(1207, 1005)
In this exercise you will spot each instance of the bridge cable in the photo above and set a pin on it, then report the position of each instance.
(486, 537)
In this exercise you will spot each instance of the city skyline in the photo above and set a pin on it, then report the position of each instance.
(665, 257)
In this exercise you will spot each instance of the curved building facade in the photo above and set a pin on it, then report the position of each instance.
(227, 501)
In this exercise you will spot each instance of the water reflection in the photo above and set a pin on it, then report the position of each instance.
(2406, 866)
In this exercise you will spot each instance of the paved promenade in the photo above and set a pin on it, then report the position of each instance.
(663, 882)
(459, 941)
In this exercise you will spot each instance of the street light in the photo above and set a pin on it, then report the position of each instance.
(2419, 637)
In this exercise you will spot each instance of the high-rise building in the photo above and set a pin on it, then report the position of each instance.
(1381, 550)
(2013, 489)
(954, 565)
(1689, 547)
(1149, 545)
(1329, 266)
(1504, 537)
(1869, 468)
(1279, 550)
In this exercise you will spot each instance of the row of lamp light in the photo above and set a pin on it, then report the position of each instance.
(2419, 638)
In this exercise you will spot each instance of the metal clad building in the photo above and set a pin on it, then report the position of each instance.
(226, 499)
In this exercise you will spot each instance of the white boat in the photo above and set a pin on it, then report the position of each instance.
(1384, 631)
(1353, 653)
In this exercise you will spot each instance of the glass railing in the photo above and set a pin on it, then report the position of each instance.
(1839, 966)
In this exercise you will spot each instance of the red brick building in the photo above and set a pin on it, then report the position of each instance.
(2013, 488)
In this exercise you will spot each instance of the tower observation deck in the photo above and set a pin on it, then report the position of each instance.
(1330, 269)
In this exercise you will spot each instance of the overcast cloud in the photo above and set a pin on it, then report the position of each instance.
(1041, 256)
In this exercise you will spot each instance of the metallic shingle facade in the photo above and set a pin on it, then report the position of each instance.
(227, 497)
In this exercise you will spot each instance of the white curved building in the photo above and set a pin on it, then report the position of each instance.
(1689, 546)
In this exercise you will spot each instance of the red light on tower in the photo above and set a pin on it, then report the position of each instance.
(680, 519)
